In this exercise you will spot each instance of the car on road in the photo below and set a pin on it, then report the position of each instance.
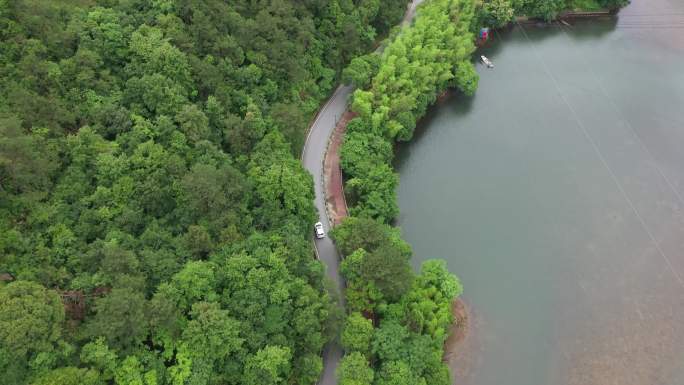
(320, 233)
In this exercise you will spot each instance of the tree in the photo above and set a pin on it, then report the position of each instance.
(119, 267)
(466, 78)
(196, 282)
(193, 123)
(290, 119)
(547, 10)
(361, 150)
(374, 193)
(362, 104)
(210, 345)
(357, 334)
(120, 319)
(211, 192)
(69, 375)
(269, 366)
(426, 308)
(361, 70)
(354, 370)
(308, 368)
(434, 273)
(398, 373)
(497, 13)
(153, 170)
(98, 355)
(362, 296)
(31, 319)
(365, 233)
(198, 241)
(131, 372)
(283, 192)
(389, 270)
(390, 342)
(613, 4)
(23, 166)
(154, 94)
(103, 32)
(153, 54)
(210, 338)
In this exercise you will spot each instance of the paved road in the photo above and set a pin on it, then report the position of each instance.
(312, 158)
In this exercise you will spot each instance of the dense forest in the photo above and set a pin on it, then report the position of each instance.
(155, 222)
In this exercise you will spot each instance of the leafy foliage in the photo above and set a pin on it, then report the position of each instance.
(364, 233)
(357, 334)
(423, 60)
(354, 370)
(147, 175)
(497, 13)
(31, 322)
(413, 311)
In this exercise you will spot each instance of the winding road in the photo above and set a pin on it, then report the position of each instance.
(312, 158)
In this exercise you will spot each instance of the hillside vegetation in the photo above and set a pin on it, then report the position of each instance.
(154, 218)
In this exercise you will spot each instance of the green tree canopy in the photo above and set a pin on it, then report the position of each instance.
(357, 334)
(269, 366)
(31, 318)
(120, 318)
(354, 370)
(368, 234)
(389, 270)
(69, 375)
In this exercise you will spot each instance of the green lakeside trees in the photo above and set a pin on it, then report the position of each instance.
(497, 13)
(148, 176)
(398, 321)
(421, 62)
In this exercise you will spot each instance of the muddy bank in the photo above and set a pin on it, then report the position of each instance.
(456, 352)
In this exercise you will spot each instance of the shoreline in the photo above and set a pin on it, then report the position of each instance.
(458, 331)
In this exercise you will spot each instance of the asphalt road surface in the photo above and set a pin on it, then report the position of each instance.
(312, 158)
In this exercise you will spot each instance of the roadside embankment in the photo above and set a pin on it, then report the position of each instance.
(335, 202)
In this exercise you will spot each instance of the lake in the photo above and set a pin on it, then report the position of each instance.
(556, 194)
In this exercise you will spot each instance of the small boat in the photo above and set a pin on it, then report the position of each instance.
(486, 61)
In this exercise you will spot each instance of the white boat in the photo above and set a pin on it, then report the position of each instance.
(486, 61)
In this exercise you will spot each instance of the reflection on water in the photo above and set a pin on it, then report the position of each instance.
(556, 195)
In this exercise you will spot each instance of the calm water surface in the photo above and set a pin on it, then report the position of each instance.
(557, 195)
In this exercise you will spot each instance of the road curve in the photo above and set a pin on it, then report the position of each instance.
(312, 159)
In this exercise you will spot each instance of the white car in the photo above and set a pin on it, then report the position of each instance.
(320, 233)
